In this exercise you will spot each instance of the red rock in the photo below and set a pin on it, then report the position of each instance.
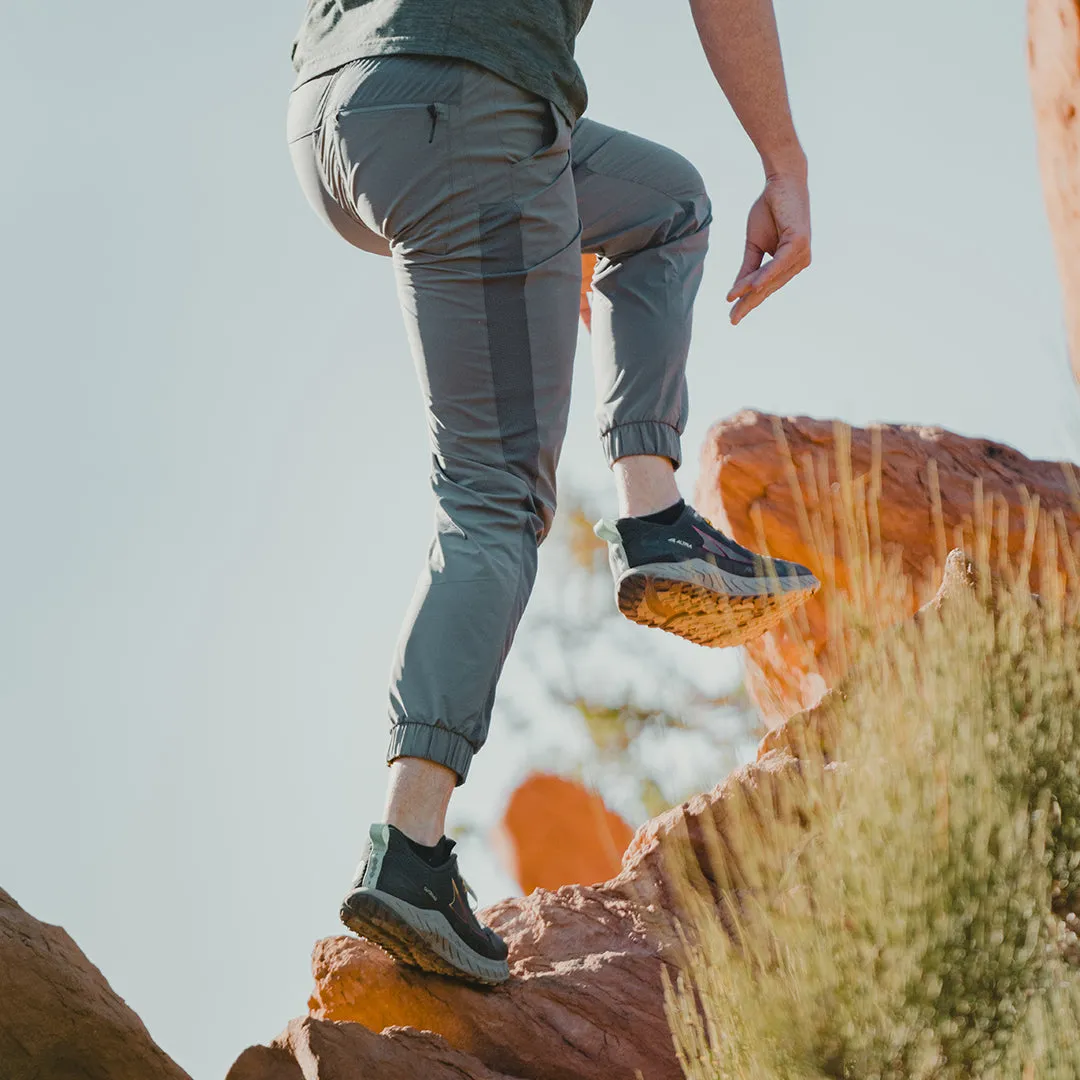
(585, 1000)
(59, 1018)
(588, 264)
(311, 1049)
(775, 484)
(1054, 67)
(556, 832)
(267, 1063)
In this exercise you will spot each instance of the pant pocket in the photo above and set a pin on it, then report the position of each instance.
(555, 136)
(390, 168)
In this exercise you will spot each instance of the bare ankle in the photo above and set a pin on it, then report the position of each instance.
(417, 799)
(644, 485)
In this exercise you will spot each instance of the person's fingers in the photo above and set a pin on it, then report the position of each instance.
(756, 297)
(760, 294)
(791, 259)
(752, 256)
(794, 254)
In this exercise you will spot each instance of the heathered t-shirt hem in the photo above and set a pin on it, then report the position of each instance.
(397, 46)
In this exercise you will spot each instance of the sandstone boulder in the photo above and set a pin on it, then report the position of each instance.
(585, 1000)
(541, 813)
(1054, 66)
(311, 1049)
(786, 485)
(59, 1018)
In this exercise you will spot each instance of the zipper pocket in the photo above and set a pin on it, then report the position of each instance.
(435, 109)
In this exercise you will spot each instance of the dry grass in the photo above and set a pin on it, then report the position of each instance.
(920, 927)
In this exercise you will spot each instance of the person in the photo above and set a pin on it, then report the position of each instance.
(449, 135)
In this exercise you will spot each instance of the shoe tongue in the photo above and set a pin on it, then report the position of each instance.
(444, 848)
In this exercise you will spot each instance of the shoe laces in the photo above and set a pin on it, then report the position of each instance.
(470, 893)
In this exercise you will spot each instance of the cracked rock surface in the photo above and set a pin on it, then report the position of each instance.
(781, 483)
(59, 1018)
(585, 998)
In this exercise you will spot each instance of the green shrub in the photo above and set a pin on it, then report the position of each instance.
(916, 932)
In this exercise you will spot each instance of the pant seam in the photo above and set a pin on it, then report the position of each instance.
(703, 193)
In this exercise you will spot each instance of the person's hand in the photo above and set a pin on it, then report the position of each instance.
(779, 225)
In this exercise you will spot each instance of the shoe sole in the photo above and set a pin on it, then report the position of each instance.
(417, 937)
(701, 603)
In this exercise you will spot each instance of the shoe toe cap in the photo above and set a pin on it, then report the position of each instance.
(499, 949)
(786, 569)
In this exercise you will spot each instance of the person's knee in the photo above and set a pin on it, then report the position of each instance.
(695, 213)
(691, 212)
(679, 211)
(499, 510)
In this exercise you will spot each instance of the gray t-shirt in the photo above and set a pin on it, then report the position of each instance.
(529, 42)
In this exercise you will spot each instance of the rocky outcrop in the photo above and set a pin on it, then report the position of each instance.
(312, 1049)
(543, 811)
(783, 484)
(59, 1018)
(1054, 66)
(585, 1001)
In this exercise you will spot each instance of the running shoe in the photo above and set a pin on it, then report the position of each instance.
(691, 580)
(420, 913)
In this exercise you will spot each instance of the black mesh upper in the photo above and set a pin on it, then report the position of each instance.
(405, 875)
(692, 537)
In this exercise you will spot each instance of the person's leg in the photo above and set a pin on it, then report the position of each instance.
(646, 214)
(469, 179)
(492, 324)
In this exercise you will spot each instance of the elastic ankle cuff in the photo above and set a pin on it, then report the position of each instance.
(639, 437)
(432, 743)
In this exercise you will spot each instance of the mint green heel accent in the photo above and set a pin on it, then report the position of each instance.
(606, 530)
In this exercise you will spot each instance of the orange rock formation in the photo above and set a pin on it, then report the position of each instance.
(780, 484)
(59, 1018)
(585, 1000)
(1054, 65)
(556, 832)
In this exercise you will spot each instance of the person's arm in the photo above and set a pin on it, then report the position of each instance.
(743, 50)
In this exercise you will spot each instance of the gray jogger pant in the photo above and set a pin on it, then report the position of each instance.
(484, 197)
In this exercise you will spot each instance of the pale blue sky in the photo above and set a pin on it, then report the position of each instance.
(213, 459)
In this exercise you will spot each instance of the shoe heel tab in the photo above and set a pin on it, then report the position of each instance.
(367, 873)
(606, 529)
